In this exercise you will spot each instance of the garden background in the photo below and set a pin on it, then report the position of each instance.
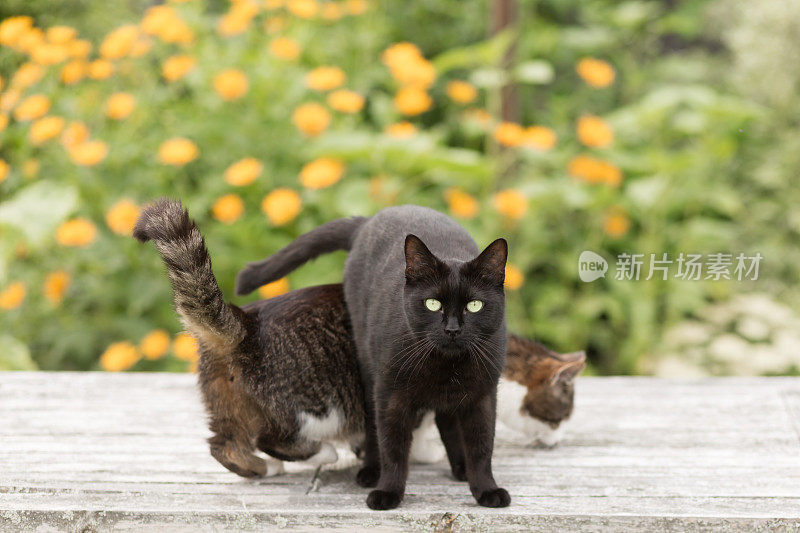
(661, 126)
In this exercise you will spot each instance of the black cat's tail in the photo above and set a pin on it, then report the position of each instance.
(198, 298)
(334, 235)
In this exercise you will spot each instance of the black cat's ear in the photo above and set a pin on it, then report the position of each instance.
(490, 265)
(420, 262)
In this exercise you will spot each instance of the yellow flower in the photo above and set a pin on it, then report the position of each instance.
(321, 173)
(539, 138)
(30, 168)
(281, 206)
(61, 34)
(141, 47)
(12, 296)
(407, 65)
(4, 170)
(461, 92)
(332, 11)
(55, 285)
(177, 151)
(325, 78)
(514, 277)
(119, 42)
(460, 203)
(228, 209)
(9, 99)
(357, 7)
(595, 72)
(284, 48)
(75, 133)
(593, 170)
(509, 134)
(49, 54)
(594, 132)
(274, 4)
(185, 347)
(26, 75)
(412, 101)
(13, 28)
(120, 105)
(276, 288)
(401, 130)
(312, 119)
(73, 72)
(79, 49)
(76, 232)
(32, 107)
(616, 223)
(122, 216)
(164, 22)
(100, 69)
(177, 66)
(30, 40)
(3, 122)
(346, 101)
(510, 203)
(155, 344)
(243, 172)
(88, 153)
(302, 8)
(231, 84)
(119, 356)
(237, 20)
(44, 129)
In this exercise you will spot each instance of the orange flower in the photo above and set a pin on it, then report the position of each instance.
(357, 7)
(594, 132)
(32, 107)
(595, 72)
(231, 84)
(616, 223)
(276, 288)
(539, 138)
(177, 66)
(408, 67)
(79, 49)
(228, 209)
(122, 216)
(9, 99)
(75, 133)
(281, 206)
(44, 129)
(274, 4)
(401, 130)
(237, 20)
(26, 75)
(119, 42)
(243, 172)
(346, 101)
(412, 101)
(274, 24)
(3, 122)
(120, 105)
(284, 48)
(177, 151)
(510, 203)
(332, 11)
(325, 78)
(30, 40)
(76, 232)
(73, 72)
(155, 344)
(55, 285)
(4, 170)
(60, 34)
(88, 153)
(13, 28)
(100, 69)
(312, 119)
(164, 22)
(12, 296)
(461, 204)
(141, 47)
(481, 116)
(461, 92)
(321, 173)
(302, 8)
(49, 54)
(185, 347)
(509, 134)
(593, 170)
(119, 356)
(514, 277)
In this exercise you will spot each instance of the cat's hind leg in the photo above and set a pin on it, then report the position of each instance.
(239, 458)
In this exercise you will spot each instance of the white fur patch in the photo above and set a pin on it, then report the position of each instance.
(321, 428)
(509, 413)
(325, 456)
(426, 446)
(274, 467)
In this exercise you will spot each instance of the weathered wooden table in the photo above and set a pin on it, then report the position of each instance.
(95, 451)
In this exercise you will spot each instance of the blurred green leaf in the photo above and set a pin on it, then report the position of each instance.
(38, 209)
(14, 354)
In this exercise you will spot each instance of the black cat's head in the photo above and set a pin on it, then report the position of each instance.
(456, 306)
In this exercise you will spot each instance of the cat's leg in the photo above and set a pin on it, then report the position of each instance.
(395, 424)
(477, 425)
(371, 470)
(450, 431)
(237, 456)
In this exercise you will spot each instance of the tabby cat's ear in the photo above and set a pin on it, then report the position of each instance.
(570, 368)
(491, 264)
(421, 264)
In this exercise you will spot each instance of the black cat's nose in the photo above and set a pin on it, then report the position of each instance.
(452, 327)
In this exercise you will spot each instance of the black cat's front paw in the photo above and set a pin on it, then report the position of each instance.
(494, 498)
(459, 471)
(381, 500)
(368, 476)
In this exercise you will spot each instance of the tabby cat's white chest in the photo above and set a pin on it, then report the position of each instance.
(510, 414)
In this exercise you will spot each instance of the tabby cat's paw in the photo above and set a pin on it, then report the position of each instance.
(381, 500)
(368, 476)
(494, 498)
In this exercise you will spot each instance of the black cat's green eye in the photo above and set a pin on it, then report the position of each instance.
(432, 304)
(474, 306)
